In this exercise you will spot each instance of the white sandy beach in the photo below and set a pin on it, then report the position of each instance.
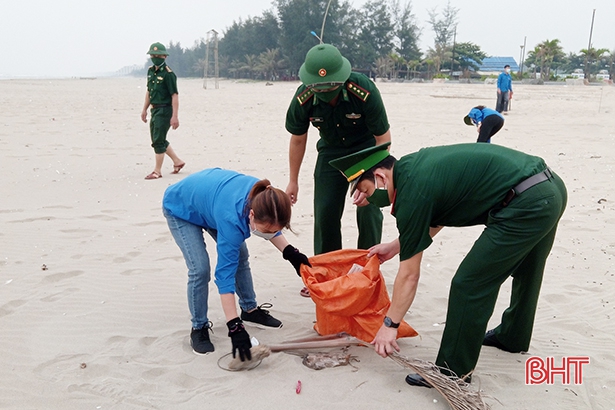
(93, 310)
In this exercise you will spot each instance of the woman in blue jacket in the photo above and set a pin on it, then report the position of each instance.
(230, 206)
(487, 121)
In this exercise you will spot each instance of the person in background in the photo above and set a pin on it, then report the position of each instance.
(505, 91)
(163, 98)
(487, 121)
(519, 200)
(230, 207)
(349, 114)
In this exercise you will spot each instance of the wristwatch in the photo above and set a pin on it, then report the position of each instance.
(389, 323)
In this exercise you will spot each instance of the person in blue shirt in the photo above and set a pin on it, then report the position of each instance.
(230, 207)
(505, 91)
(488, 122)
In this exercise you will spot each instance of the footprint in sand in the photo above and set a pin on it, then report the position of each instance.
(57, 277)
(10, 307)
(129, 256)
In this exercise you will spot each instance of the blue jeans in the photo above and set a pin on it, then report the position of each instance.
(189, 238)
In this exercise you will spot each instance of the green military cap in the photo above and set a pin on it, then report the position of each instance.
(324, 67)
(355, 165)
(467, 120)
(157, 49)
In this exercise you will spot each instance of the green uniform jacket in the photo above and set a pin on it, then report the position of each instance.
(357, 117)
(455, 185)
(161, 84)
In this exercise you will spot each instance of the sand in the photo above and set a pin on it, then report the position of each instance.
(93, 305)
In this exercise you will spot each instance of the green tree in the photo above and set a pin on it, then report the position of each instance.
(571, 62)
(194, 58)
(544, 55)
(438, 55)
(593, 57)
(250, 65)
(398, 64)
(444, 29)
(384, 66)
(252, 36)
(468, 56)
(269, 63)
(407, 33)
(176, 60)
(375, 38)
(298, 18)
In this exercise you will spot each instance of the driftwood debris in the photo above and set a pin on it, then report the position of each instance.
(458, 394)
(260, 352)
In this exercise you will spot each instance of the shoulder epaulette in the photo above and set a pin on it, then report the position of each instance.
(305, 96)
(360, 92)
(169, 69)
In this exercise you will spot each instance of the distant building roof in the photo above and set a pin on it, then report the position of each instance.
(496, 64)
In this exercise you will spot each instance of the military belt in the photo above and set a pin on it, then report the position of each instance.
(527, 184)
(160, 105)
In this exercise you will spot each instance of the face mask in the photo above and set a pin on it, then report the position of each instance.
(380, 197)
(157, 61)
(507, 70)
(256, 232)
(328, 96)
(265, 236)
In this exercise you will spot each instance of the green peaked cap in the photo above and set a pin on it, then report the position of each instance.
(355, 165)
(467, 120)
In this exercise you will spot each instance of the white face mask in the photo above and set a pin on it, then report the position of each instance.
(266, 236)
(507, 70)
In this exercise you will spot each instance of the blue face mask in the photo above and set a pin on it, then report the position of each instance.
(380, 197)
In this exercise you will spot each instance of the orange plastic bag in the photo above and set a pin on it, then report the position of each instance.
(349, 300)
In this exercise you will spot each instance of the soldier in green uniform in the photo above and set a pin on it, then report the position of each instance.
(517, 198)
(348, 112)
(163, 97)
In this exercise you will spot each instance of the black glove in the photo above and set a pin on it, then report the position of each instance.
(239, 338)
(295, 257)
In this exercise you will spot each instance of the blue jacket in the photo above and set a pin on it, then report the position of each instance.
(504, 82)
(215, 198)
(477, 116)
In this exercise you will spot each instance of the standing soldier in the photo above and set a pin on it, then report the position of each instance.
(349, 114)
(163, 98)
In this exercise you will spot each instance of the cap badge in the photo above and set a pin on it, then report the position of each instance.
(322, 72)
(155, 48)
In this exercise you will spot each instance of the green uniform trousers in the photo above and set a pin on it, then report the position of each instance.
(330, 195)
(159, 125)
(516, 242)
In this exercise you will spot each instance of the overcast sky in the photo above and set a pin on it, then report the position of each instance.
(84, 37)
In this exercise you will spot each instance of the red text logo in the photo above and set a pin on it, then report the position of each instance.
(539, 370)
